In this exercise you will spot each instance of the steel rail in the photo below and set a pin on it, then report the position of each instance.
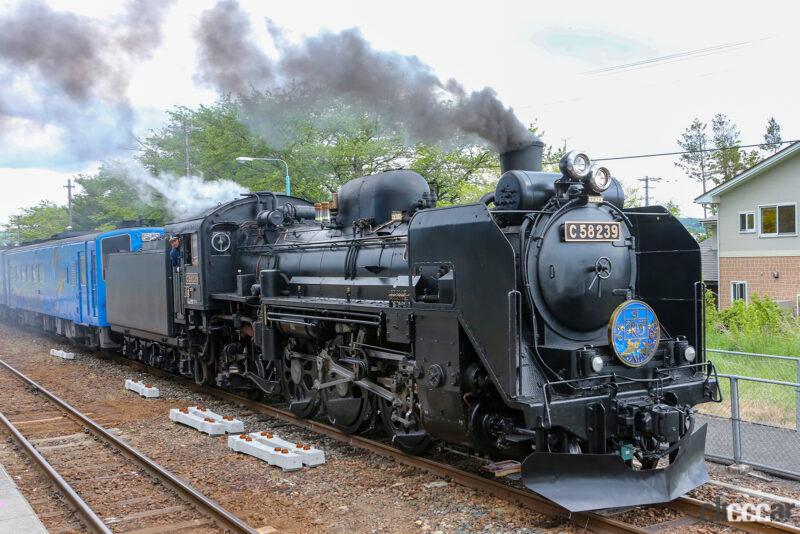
(591, 521)
(587, 520)
(697, 508)
(87, 515)
(222, 517)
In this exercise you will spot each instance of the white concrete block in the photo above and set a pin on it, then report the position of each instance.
(281, 457)
(232, 425)
(311, 456)
(147, 391)
(202, 424)
(62, 354)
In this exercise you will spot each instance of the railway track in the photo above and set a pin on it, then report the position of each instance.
(692, 509)
(110, 485)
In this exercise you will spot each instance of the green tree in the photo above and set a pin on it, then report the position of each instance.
(463, 174)
(751, 158)
(107, 199)
(694, 162)
(37, 222)
(324, 144)
(633, 197)
(726, 161)
(551, 154)
(772, 137)
(215, 135)
(673, 207)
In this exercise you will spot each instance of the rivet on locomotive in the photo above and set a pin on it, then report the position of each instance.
(545, 323)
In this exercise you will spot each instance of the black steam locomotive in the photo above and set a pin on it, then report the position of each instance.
(545, 323)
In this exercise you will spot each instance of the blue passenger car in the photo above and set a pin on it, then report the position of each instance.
(60, 284)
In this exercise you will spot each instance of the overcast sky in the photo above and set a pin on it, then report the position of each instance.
(545, 59)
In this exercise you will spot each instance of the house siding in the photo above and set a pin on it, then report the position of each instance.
(709, 259)
(777, 185)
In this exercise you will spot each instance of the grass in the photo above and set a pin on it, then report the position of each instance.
(763, 403)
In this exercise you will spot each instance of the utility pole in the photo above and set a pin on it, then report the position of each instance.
(703, 174)
(69, 187)
(647, 186)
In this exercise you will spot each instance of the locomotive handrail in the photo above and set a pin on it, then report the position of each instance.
(279, 317)
(378, 239)
(699, 324)
(647, 213)
(325, 312)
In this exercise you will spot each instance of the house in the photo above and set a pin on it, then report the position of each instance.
(757, 243)
(709, 258)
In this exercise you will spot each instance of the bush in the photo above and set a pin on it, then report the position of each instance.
(760, 316)
(760, 326)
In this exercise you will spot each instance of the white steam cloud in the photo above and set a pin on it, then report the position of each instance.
(184, 196)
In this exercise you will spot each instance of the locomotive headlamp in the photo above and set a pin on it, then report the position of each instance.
(575, 165)
(598, 180)
(689, 353)
(597, 364)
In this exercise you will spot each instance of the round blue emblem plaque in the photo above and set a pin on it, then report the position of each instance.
(634, 332)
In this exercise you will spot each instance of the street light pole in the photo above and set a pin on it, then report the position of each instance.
(245, 159)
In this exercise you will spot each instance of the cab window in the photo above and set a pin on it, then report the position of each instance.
(189, 249)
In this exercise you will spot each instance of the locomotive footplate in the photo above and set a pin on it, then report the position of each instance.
(580, 482)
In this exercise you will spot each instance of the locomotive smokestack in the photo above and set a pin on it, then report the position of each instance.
(527, 158)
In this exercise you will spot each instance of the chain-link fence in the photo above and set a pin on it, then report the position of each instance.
(758, 422)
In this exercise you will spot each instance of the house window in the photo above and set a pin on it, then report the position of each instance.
(738, 291)
(747, 222)
(777, 220)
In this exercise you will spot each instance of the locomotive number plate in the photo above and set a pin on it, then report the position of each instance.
(591, 231)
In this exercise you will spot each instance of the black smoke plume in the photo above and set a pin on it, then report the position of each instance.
(63, 69)
(400, 88)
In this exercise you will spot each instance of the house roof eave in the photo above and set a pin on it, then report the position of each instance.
(712, 196)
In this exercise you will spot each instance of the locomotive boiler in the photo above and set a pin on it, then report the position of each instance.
(546, 323)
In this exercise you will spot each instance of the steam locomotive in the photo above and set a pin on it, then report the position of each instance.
(545, 323)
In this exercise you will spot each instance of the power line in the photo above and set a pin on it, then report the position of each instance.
(672, 58)
(679, 152)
